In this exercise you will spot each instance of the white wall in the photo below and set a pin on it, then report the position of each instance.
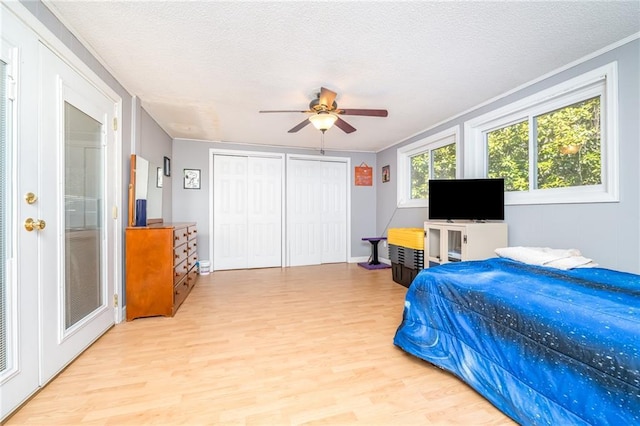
(607, 232)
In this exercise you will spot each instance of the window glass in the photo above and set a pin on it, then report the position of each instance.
(508, 155)
(444, 162)
(568, 146)
(419, 175)
(556, 146)
(434, 157)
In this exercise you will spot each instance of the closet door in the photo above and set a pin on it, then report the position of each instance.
(333, 212)
(247, 212)
(316, 212)
(229, 212)
(264, 213)
(303, 216)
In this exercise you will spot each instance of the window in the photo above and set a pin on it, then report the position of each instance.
(432, 158)
(558, 146)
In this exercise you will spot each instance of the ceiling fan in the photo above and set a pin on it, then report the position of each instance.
(325, 113)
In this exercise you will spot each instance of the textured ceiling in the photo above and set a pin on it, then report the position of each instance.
(203, 69)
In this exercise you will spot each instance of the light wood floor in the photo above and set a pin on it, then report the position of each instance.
(305, 345)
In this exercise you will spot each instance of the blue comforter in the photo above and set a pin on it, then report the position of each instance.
(544, 346)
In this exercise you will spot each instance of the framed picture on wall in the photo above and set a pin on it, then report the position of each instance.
(386, 174)
(191, 178)
(159, 173)
(167, 166)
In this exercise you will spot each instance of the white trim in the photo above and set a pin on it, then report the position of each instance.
(601, 81)
(404, 154)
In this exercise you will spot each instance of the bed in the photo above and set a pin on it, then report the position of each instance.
(545, 346)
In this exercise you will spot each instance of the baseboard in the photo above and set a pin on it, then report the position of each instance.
(366, 259)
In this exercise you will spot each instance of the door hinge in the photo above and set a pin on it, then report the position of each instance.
(115, 124)
(115, 300)
(465, 239)
(12, 89)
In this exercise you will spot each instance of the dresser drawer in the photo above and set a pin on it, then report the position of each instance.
(180, 271)
(179, 236)
(192, 247)
(192, 232)
(191, 261)
(180, 253)
(180, 292)
(192, 276)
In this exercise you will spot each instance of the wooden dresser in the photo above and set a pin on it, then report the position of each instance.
(160, 268)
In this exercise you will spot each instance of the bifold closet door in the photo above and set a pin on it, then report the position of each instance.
(333, 212)
(229, 212)
(247, 209)
(317, 212)
(264, 212)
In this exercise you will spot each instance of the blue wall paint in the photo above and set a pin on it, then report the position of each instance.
(607, 232)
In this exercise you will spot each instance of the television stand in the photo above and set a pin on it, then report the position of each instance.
(456, 242)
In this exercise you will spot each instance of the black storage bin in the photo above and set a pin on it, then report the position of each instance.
(403, 275)
(405, 263)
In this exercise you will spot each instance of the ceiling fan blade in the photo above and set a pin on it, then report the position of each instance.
(299, 126)
(327, 97)
(346, 127)
(285, 110)
(367, 112)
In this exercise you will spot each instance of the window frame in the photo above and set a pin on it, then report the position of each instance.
(603, 82)
(428, 144)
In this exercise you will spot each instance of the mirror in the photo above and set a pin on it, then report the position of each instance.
(145, 192)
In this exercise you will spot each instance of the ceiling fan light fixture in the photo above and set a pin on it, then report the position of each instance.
(323, 120)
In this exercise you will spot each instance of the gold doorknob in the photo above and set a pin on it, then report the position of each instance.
(30, 197)
(31, 224)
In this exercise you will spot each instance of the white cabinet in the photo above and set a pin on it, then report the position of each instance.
(454, 242)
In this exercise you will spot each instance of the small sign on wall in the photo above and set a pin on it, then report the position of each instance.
(363, 175)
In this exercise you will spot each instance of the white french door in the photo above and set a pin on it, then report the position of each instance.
(317, 211)
(58, 188)
(247, 211)
(19, 299)
(77, 283)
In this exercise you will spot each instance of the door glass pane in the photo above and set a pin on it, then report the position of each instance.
(5, 210)
(83, 222)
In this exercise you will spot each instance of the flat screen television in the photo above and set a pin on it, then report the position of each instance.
(466, 199)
